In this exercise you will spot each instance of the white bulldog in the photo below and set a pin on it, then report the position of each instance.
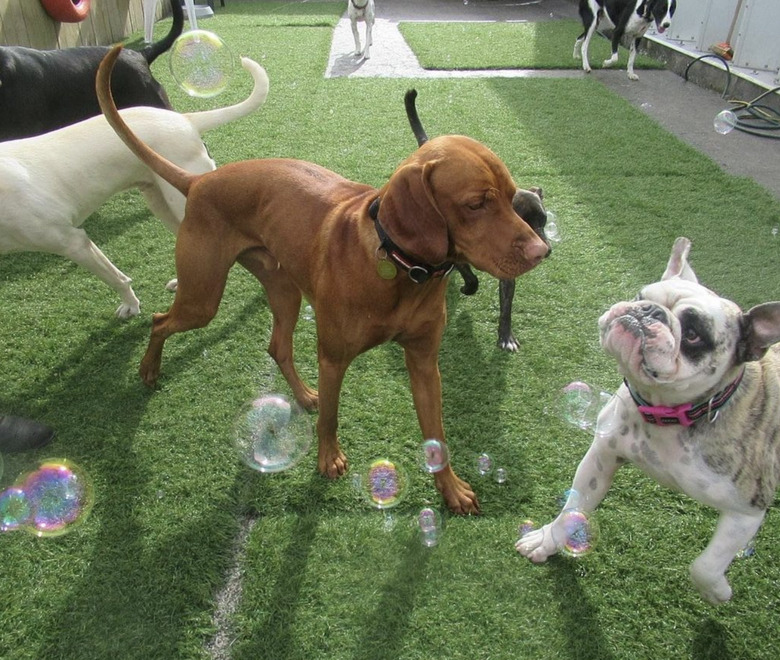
(699, 411)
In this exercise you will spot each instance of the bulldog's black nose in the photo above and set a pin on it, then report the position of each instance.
(653, 311)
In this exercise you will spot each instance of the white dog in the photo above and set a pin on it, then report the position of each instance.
(362, 10)
(51, 183)
(699, 411)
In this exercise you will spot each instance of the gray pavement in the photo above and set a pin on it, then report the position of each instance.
(682, 107)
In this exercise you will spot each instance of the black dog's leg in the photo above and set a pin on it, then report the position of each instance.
(470, 281)
(506, 294)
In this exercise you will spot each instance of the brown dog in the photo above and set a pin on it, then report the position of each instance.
(304, 230)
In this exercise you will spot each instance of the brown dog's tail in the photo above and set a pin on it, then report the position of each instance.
(172, 173)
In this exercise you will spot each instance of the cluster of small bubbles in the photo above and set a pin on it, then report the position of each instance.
(525, 527)
(575, 533)
(435, 456)
(748, 551)
(579, 404)
(552, 229)
(725, 122)
(384, 483)
(429, 524)
(484, 464)
(571, 499)
(49, 501)
(308, 313)
(272, 434)
(201, 63)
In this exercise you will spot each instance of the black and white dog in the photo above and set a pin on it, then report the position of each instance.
(43, 90)
(629, 18)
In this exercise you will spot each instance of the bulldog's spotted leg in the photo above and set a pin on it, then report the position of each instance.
(708, 571)
(591, 482)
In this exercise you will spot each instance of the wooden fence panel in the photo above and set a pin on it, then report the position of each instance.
(26, 23)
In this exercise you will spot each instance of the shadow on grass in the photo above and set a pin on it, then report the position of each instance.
(579, 619)
(710, 642)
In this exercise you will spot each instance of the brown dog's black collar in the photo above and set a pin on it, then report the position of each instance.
(417, 272)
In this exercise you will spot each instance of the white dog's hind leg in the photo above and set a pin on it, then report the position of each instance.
(577, 55)
(168, 206)
(85, 253)
(586, 45)
(732, 534)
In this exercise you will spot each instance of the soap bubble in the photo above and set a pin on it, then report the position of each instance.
(552, 229)
(484, 464)
(525, 527)
(49, 501)
(579, 404)
(201, 63)
(725, 122)
(571, 499)
(500, 475)
(272, 434)
(775, 231)
(384, 483)
(429, 523)
(435, 456)
(15, 509)
(575, 533)
(748, 551)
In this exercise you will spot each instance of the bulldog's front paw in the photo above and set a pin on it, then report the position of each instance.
(537, 544)
(715, 589)
(128, 310)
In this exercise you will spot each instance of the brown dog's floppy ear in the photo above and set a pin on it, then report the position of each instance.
(409, 215)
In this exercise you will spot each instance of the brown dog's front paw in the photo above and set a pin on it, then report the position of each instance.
(458, 495)
(149, 373)
(333, 465)
(308, 399)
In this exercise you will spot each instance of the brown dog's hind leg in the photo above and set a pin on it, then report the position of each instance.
(284, 299)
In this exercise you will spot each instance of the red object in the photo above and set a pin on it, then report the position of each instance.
(67, 11)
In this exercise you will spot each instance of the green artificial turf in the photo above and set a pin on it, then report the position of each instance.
(514, 45)
(323, 575)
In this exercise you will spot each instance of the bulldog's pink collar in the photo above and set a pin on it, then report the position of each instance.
(686, 414)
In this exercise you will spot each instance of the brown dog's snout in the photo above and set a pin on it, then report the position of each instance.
(536, 251)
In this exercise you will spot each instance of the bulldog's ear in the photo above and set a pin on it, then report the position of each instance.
(537, 191)
(760, 329)
(678, 265)
(410, 216)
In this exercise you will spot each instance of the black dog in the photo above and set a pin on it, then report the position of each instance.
(43, 90)
(629, 18)
(526, 203)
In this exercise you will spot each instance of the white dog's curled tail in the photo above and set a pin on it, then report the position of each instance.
(208, 119)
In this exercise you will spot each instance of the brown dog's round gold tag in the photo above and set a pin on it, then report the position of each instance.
(386, 269)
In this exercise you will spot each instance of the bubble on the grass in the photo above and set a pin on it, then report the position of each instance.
(552, 228)
(484, 464)
(15, 509)
(384, 483)
(59, 495)
(435, 456)
(725, 122)
(500, 475)
(775, 231)
(272, 434)
(525, 527)
(579, 404)
(429, 524)
(201, 63)
(576, 533)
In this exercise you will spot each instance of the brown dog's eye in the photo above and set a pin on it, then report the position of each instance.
(475, 206)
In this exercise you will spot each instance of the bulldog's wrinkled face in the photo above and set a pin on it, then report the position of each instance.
(678, 339)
